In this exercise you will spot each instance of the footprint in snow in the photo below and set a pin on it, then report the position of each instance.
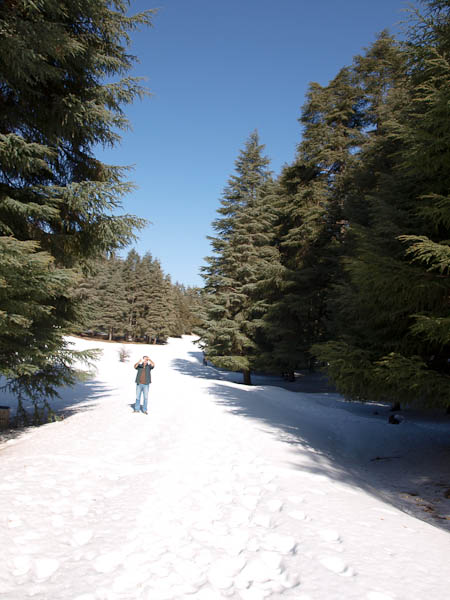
(82, 536)
(299, 515)
(285, 544)
(108, 562)
(225, 569)
(21, 565)
(263, 520)
(238, 517)
(337, 565)
(45, 567)
(330, 535)
(289, 580)
(255, 571)
(253, 545)
(273, 560)
(296, 499)
(235, 543)
(275, 506)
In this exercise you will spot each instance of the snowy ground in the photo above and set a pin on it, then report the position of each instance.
(222, 491)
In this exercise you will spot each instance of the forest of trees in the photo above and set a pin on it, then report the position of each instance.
(131, 299)
(340, 262)
(343, 260)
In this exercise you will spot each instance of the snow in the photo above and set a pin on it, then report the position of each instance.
(222, 491)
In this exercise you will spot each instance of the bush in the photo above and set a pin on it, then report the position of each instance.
(124, 354)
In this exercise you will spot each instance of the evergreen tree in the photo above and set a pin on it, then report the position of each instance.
(146, 275)
(153, 306)
(184, 307)
(103, 297)
(161, 312)
(58, 203)
(392, 338)
(311, 223)
(229, 320)
(193, 298)
(132, 298)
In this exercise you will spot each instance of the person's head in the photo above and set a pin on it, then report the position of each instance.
(145, 359)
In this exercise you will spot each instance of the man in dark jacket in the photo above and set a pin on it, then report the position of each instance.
(143, 380)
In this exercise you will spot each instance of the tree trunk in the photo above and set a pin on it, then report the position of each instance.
(110, 334)
(247, 377)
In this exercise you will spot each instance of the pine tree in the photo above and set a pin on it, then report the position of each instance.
(311, 224)
(130, 269)
(392, 338)
(146, 279)
(103, 296)
(133, 298)
(153, 312)
(230, 317)
(161, 312)
(58, 203)
(184, 307)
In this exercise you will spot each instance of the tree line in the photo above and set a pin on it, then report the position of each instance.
(343, 260)
(132, 299)
(63, 86)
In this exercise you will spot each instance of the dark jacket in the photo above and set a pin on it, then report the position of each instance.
(148, 376)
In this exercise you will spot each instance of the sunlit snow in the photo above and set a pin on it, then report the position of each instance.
(222, 491)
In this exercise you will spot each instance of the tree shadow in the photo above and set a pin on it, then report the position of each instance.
(361, 449)
(80, 397)
(306, 382)
(196, 368)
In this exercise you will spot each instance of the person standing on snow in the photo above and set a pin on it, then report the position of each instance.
(143, 380)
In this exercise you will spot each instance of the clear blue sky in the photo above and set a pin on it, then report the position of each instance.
(218, 69)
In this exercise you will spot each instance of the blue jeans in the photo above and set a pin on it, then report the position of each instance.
(141, 388)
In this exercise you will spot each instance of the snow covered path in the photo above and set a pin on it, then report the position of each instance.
(195, 500)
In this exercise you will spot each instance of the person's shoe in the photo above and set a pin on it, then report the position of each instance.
(135, 410)
(145, 412)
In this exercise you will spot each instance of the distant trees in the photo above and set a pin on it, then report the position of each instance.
(133, 299)
(58, 203)
(356, 232)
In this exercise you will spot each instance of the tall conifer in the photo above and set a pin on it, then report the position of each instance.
(311, 223)
(393, 312)
(58, 203)
(228, 329)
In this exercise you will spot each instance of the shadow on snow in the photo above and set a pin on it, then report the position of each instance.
(307, 382)
(407, 465)
(82, 396)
